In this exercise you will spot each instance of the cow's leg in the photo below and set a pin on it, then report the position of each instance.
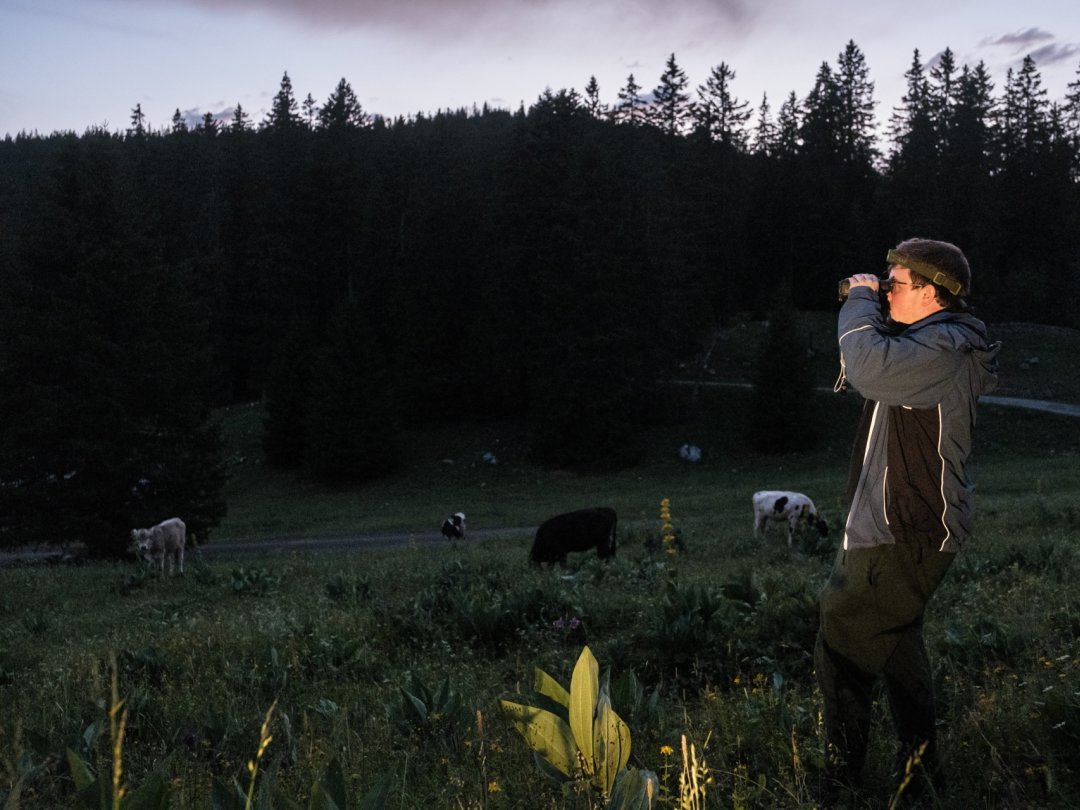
(180, 557)
(760, 524)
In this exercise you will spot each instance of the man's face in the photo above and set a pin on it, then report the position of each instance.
(908, 296)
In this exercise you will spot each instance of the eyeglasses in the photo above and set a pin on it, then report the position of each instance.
(887, 284)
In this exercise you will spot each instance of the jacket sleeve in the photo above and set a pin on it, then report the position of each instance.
(917, 367)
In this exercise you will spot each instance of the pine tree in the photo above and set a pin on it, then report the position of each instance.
(915, 114)
(1071, 121)
(764, 142)
(108, 425)
(719, 114)
(819, 127)
(783, 414)
(241, 120)
(209, 125)
(1072, 105)
(1022, 123)
(342, 110)
(671, 111)
(352, 434)
(631, 107)
(179, 125)
(593, 104)
(970, 140)
(942, 89)
(855, 94)
(283, 113)
(789, 127)
(138, 123)
(288, 398)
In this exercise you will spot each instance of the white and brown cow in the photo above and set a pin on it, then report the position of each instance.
(165, 540)
(793, 507)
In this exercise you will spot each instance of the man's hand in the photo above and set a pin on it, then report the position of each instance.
(864, 280)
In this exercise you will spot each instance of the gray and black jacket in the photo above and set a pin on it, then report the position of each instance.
(908, 480)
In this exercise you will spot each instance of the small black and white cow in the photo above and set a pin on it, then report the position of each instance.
(453, 528)
(575, 531)
(794, 507)
(164, 541)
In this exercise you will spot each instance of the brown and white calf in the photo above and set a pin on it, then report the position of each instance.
(794, 507)
(166, 539)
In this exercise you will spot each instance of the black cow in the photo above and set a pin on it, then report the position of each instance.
(575, 531)
(453, 528)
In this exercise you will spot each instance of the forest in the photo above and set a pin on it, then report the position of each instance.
(551, 265)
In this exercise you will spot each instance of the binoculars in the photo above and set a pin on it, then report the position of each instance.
(884, 286)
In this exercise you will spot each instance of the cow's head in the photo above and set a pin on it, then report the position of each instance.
(821, 526)
(141, 538)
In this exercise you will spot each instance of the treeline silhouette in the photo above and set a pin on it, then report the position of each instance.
(549, 265)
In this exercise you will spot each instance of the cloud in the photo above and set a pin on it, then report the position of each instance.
(440, 19)
(1054, 53)
(1020, 40)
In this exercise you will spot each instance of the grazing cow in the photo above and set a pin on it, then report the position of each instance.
(794, 507)
(453, 528)
(575, 531)
(165, 540)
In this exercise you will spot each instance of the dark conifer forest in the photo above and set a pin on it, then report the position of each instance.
(549, 265)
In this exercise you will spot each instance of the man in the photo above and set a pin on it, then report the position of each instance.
(921, 370)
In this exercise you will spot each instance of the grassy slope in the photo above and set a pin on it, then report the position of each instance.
(330, 637)
(446, 471)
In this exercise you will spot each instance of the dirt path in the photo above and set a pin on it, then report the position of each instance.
(242, 549)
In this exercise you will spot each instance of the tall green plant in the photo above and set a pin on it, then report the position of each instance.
(576, 735)
(100, 792)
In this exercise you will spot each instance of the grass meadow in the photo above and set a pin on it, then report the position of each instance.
(277, 680)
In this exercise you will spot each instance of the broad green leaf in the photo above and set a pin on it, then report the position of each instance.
(328, 793)
(443, 693)
(584, 688)
(414, 705)
(227, 797)
(544, 684)
(153, 794)
(80, 771)
(612, 744)
(545, 733)
(634, 790)
(549, 770)
(376, 798)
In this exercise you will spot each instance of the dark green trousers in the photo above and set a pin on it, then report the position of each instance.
(872, 609)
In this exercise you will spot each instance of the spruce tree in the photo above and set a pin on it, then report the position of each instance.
(352, 433)
(288, 398)
(284, 110)
(719, 114)
(764, 141)
(670, 111)
(105, 422)
(342, 109)
(631, 107)
(783, 413)
(596, 108)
